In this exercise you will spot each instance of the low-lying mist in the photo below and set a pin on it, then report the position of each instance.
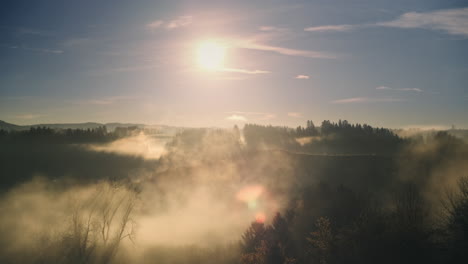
(203, 188)
(204, 192)
(140, 144)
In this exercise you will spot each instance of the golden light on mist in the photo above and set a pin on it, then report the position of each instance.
(210, 55)
(250, 193)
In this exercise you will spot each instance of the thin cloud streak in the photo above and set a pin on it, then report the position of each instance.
(237, 118)
(256, 43)
(302, 77)
(34, 32)
(326, 28)
(287, 51)
(41, 50)
(365, 100)
(268, 117)
(254, 115)
(155, 24)
(74, 42)
(134, 68)
(244, 71)
(294, 114)
(179, 22)
(105, 101)
(399, 89)
(125, 69)
(451, 21)
(272, 29)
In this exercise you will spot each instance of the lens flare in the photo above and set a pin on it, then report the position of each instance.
(260, 217)
(252, 204)
(250, 193)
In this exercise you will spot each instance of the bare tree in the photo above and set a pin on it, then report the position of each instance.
(99, 223)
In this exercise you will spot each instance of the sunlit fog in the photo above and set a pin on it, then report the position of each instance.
(234, 132)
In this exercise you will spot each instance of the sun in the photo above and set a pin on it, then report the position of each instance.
(210, 55)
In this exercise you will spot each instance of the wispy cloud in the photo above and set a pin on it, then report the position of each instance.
(74, 42)
(452, 21)
(41, 50)
(272, 29)
(123, 69)
(410, 89)
(229, 78)
(134, 68)
(399, 89)
(155, 24)
(105, 101)
(235, 117)
(260, 42)
(302, 77)
(181, 21)
(365, 100)
(254, 115)
(244, 71)
(268, 117)
(285, 51)
(326, 28)
(295, 114)
(34, 32)
(53, 51)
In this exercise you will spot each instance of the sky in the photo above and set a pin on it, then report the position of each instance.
(395, 64)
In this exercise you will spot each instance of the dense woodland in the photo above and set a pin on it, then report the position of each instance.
(350, 193)
(332, 138)
(47, 135)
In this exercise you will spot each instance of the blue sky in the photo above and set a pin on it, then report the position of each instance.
(385, 63)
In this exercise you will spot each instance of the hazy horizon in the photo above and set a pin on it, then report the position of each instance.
(240, 125)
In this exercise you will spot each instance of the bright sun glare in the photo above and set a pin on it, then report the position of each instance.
(210, 55)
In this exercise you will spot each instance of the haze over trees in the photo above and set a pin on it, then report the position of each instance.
(334, 193)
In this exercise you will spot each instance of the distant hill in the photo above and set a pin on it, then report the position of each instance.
(88, 125)
(162, 129)
(11, 127)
